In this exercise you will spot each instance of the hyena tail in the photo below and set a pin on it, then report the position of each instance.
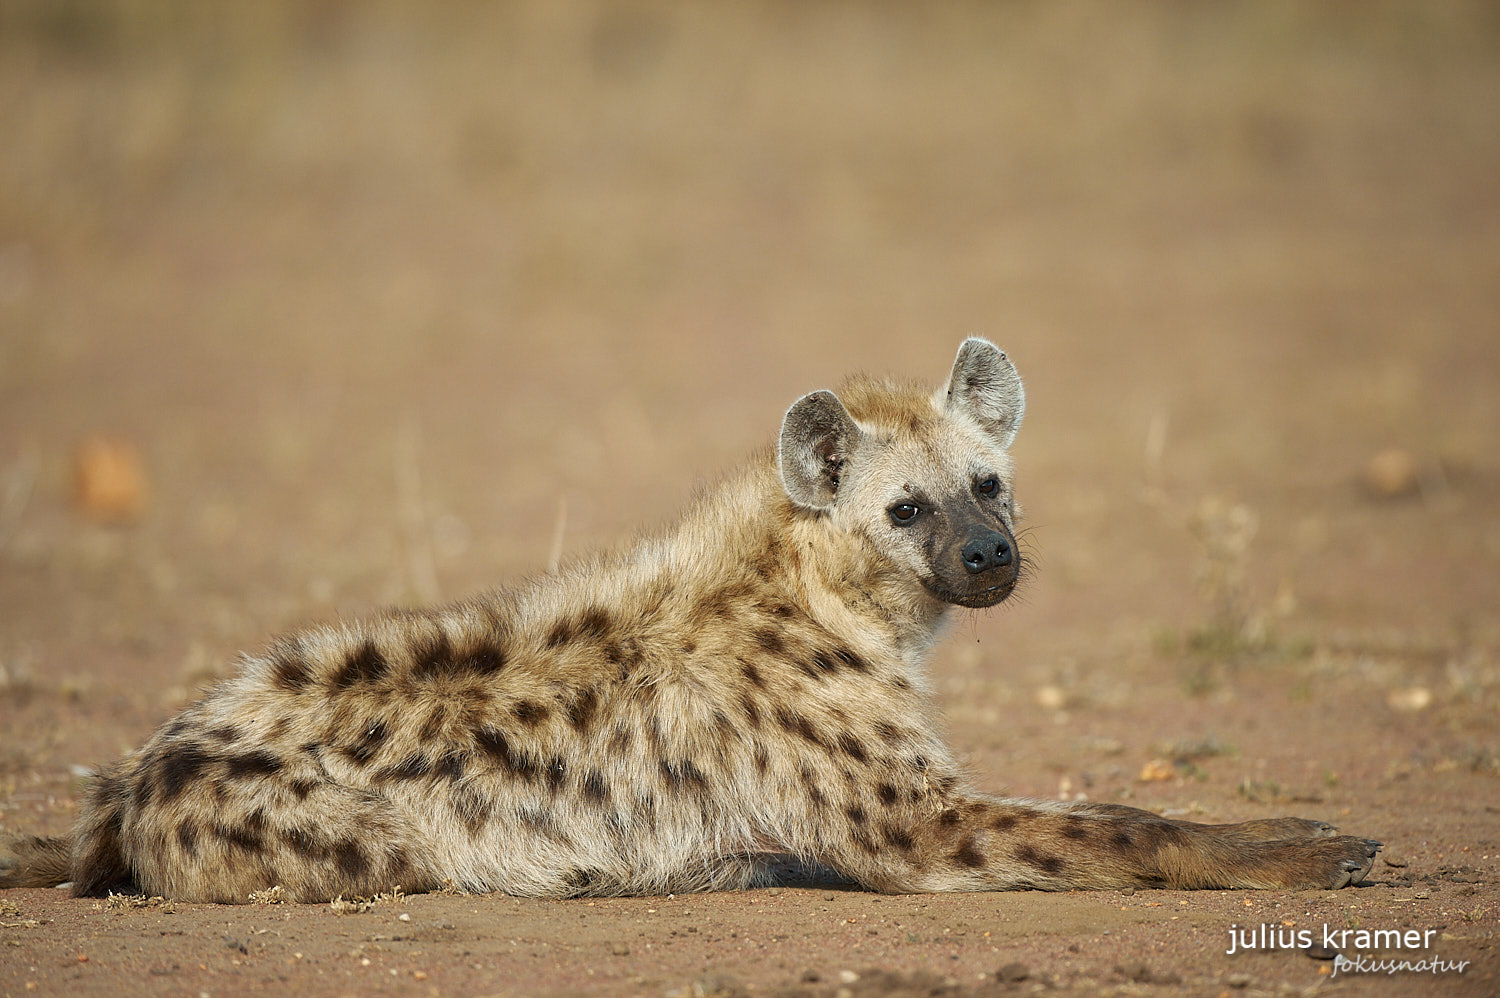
(93, 857)
(33, 861)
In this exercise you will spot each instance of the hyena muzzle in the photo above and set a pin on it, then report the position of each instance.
(748, 683)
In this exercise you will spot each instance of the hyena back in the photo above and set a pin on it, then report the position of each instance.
(747, 683)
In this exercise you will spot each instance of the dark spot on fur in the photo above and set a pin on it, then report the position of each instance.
(413, 767)
(856, 814)
(224, 733)
(810, 784)
(762, 760)
(901, 684)
(851, 747)
(752, 712)
(305, 844)
(529, 712)
(799, 725)
(187, 836)
(620, 738)
(593, 787)
(851, 659)
(769, 638)
(752, 674)
(1028, 854)
(888, 732)
(494, 744)
(471, 808)
(968, 854)
(900, 838)
(349, 858)
(1003, 822)
(144, 788)
(363, 750)
(684, 775)
(178, 767)
(595, 623)
(557, 773)
(486, 658)
(288, 671)
(887, 793)
(581, 710)
(365, 664)
(451, 766)
(561, 633)
(432, 656)
(240, 837)
(250, 765)
(1073, 828)
(433, 726)
(949, 818)
(302, 787)
(1121, 840)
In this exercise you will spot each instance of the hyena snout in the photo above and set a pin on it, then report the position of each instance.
(977, 567)
(985, 551)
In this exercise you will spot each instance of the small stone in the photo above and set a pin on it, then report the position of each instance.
(1012, 973)
(848, 977)
(1156, 771)
(1318, 951)
(109, 480)
(1238, 981)
(1392, 474)
(1051, 697)
(1410, 699)
(1397, 861)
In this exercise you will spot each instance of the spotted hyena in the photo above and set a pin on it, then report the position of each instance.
(747, 683)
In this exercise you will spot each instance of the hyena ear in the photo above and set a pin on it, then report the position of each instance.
(986, 387)
(817, 438)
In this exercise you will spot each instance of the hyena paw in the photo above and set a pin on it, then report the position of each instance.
(1348, 860)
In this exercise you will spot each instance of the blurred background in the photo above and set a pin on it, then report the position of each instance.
(308, 307)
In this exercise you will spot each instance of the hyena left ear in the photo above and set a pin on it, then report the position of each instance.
(985, 385)
(817, 438)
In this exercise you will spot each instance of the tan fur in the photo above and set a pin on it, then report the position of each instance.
(660, 718)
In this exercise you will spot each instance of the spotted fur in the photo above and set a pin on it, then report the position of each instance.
(661, 718)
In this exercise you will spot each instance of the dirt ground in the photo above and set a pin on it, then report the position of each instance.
(381, 300)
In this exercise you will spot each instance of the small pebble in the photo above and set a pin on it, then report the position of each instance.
(1012, 973)
(1320, 952)
(1391, 474)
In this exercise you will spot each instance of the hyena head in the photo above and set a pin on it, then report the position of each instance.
(926, 478)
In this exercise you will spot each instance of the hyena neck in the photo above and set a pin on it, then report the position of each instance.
(747, 539)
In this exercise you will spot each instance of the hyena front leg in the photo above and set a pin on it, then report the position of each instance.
(979, 843)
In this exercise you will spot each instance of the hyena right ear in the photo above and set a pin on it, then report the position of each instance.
(817, 438)
(985, 385)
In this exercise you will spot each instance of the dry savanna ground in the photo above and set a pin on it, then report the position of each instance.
(308, 308)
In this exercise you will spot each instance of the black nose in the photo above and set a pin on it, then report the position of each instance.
(986, 550)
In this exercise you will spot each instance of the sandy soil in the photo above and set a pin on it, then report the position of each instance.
(378, 297)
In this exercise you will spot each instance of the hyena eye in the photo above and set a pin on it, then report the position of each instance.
(903, 513)
(988, 487)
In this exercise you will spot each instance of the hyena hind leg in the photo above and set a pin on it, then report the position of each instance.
(1255, 830)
